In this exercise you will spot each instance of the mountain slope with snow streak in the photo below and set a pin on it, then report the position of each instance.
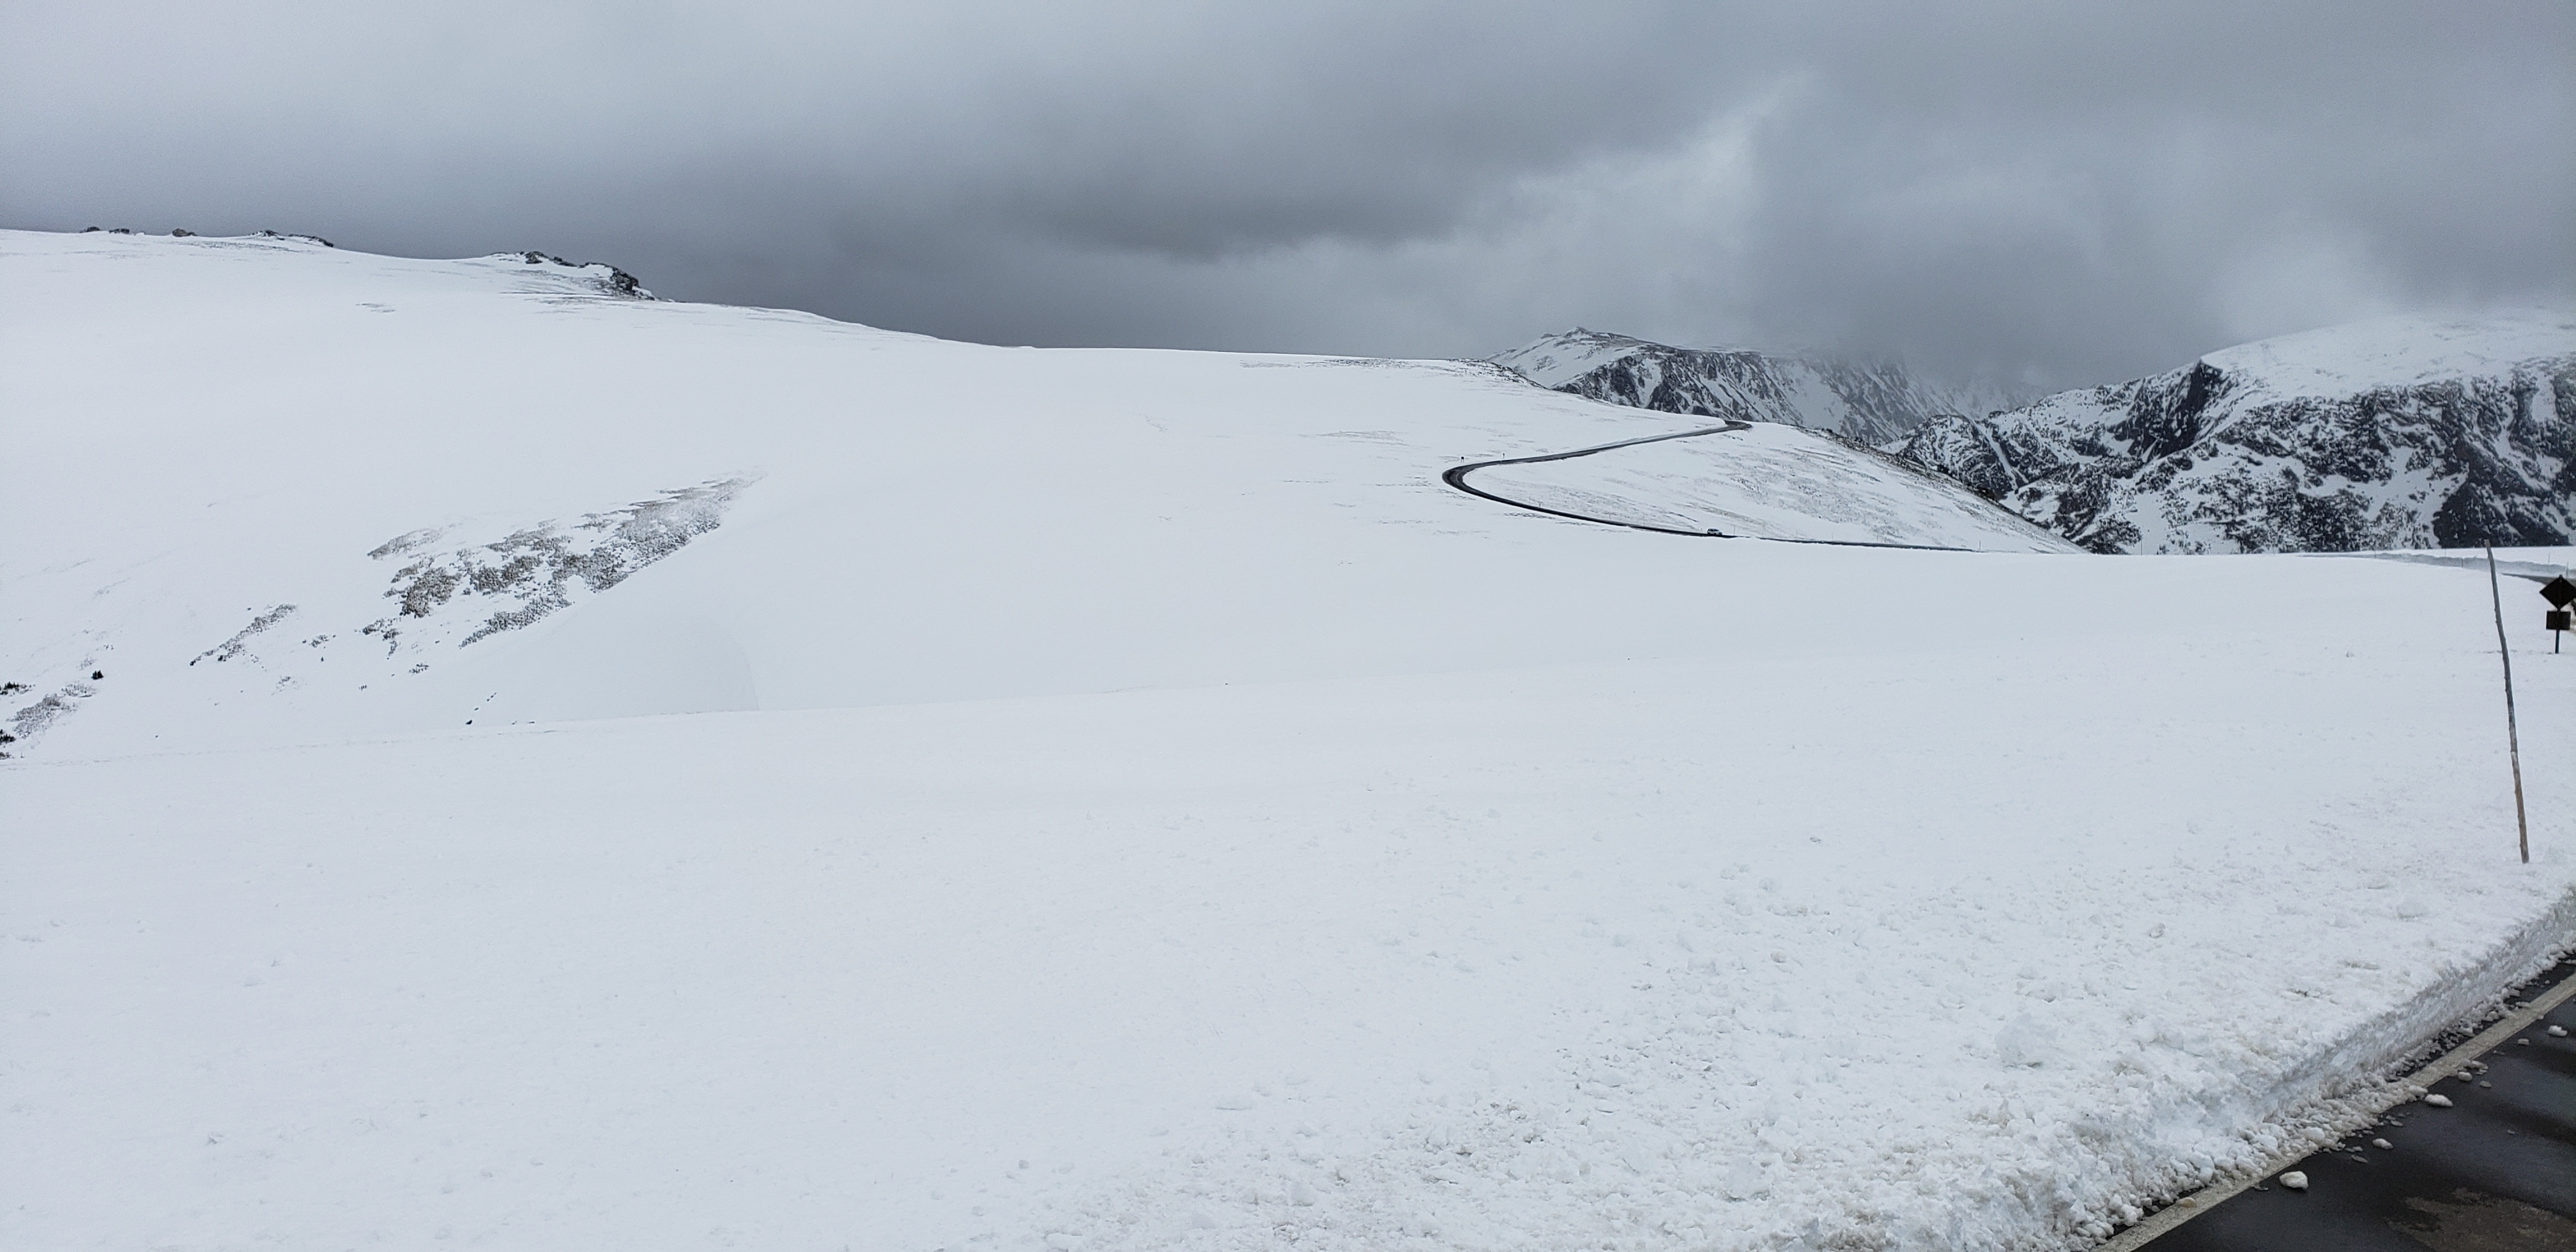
(2404, 432)
(928, 795)
(1869, 402)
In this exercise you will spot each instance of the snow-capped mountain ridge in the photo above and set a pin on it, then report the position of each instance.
(2393, 352)
(2400, 432)
(1869, 401)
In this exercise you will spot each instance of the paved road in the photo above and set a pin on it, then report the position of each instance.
(1457, 477)
(2496, 1172)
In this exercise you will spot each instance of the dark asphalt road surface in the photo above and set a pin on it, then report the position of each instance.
(1456, 477)
(2496, 1172)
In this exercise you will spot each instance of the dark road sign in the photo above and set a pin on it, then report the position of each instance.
(2558, 591)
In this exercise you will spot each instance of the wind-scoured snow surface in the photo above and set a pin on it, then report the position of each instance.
(991, 798)
(2402, 432)
(1772, 482)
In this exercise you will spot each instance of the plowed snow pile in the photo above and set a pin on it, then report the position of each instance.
(925, 795)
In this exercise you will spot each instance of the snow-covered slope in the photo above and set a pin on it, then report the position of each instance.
(348, 489)
(1766, 480)
(535, 767)
(1871, 402)
(2405, 432)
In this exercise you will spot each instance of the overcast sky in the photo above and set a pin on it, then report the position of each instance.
(2058, 193)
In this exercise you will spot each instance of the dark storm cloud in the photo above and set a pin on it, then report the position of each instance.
(2063, 193)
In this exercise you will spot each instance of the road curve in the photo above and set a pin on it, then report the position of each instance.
(1456, 476)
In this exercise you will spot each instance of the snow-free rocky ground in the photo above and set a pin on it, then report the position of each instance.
(925, 795)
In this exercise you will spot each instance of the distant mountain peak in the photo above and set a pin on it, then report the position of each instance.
(2398, 432)
(1871, 401)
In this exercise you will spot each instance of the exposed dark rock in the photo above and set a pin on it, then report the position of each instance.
(240, 642)
(533, 572)
(1870, 401)
(32, 721)
(611, 279)
(2404, 433)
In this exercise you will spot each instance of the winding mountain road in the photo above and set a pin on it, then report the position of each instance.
(1456, 476)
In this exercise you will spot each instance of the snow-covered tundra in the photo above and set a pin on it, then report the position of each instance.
(503, 762)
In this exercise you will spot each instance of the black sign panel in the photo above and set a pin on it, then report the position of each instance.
(2558, 591)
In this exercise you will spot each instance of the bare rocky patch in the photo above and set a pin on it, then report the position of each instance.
(240, 642)
(530, 573)
(32, 721)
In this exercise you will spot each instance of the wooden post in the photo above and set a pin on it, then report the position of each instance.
(2512, 736)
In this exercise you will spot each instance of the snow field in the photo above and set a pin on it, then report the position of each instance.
(1863, 948)
(210, 430)
(1123, 799)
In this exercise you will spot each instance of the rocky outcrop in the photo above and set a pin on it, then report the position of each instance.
(2404, 432)
(1870, 402)
(612, 280)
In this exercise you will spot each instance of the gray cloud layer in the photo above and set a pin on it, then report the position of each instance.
(2058, 193)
